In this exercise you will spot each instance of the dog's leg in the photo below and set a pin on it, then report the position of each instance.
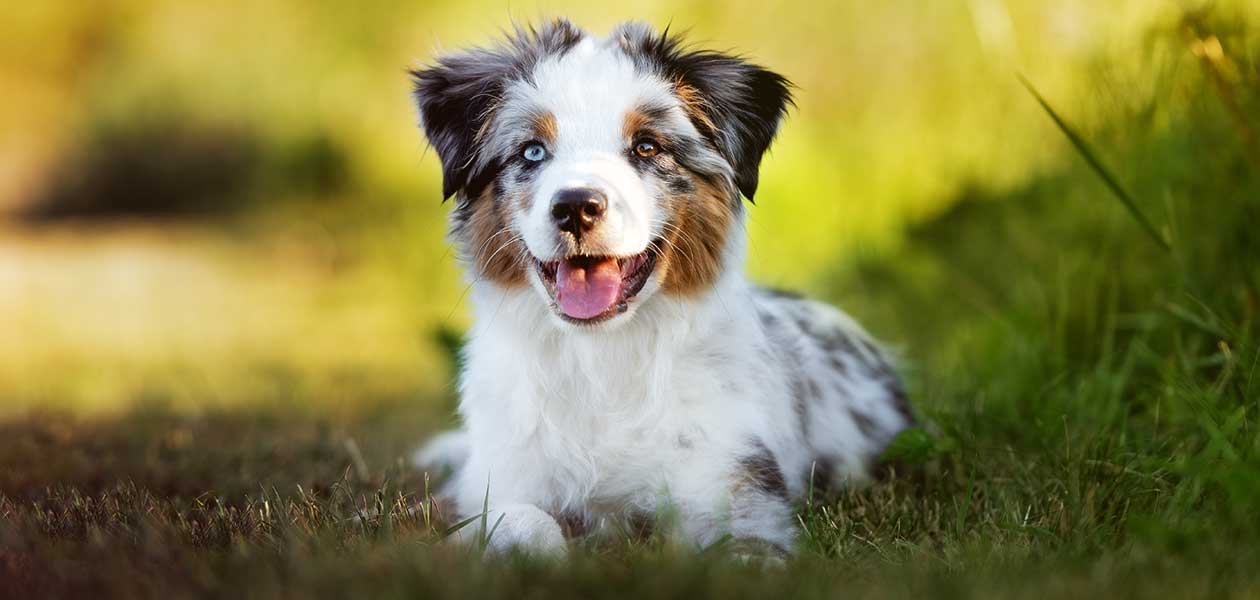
(511, 496)
(748, 507)
(749, 524)
(761, 525)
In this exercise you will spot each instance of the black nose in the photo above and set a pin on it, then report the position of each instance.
(577, 210)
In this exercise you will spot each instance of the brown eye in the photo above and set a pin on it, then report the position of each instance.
(646, 148)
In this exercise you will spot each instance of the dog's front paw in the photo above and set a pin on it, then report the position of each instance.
(523, 528)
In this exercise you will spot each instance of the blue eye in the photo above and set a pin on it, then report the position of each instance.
(534, 152)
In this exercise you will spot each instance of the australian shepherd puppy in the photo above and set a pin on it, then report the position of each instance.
(620, 365)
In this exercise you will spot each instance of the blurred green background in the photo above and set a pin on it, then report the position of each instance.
(222, 203)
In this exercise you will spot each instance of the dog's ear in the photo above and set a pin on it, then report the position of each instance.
(457, 97)
(736, 104)
(454, 98)
(745, 103)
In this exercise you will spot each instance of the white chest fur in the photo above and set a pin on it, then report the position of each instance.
(574, 421)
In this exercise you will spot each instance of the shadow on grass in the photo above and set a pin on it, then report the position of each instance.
(229, 454)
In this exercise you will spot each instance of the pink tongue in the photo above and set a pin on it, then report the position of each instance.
(587, 287)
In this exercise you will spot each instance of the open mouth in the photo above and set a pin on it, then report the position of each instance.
(589, 289)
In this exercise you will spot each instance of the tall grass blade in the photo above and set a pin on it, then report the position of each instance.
(449, 531)
(1091, 158)
(485, 543)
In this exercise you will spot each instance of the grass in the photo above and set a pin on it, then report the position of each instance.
(1089, 401)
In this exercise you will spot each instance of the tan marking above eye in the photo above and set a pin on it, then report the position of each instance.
(635, 121)
(545, 127)
(693, 104)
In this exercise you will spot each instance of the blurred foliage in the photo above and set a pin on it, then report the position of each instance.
(308, 238)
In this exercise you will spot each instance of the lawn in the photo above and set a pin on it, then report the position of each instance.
(1088, 387)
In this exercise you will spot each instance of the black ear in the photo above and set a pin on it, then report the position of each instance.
(458, 95)
(740, 104)
(454, 98)
(746, 103)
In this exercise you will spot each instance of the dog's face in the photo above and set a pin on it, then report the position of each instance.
(598, 171)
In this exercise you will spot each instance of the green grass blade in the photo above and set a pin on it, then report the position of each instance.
(1083, 148)
(485, 543)
(449, 531)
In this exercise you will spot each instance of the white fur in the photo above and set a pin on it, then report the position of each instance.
(598, 421)
(641, 418)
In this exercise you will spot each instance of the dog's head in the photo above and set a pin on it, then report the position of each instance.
(598, 171)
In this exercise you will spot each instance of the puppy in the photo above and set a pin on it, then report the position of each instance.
(620, 364)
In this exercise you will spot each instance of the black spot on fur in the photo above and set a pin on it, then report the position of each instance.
(769, 321)
(457, 95)
(838, 364)
(743, 101)
(900, 401)
(865, 424)
(807, 393)
(762, 470)
(868, 347)
(801, 399)
(837, 343)
(874, 358)
(845, 351)
(805, 390)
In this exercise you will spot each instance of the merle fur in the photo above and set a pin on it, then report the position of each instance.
(846, 356)
(457, 95)
(744, 101)
(762, 470)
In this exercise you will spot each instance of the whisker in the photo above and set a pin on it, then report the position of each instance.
(478, 275)
(689, 242)
(509, 242)
(487, 241)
